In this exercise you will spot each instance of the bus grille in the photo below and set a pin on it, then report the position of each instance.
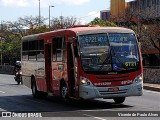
(117, 92)
(111, 78)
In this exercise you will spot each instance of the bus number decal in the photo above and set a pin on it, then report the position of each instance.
(130, 64)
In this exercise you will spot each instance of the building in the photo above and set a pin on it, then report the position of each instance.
(117, 8)
(148, 9)
(105, 14)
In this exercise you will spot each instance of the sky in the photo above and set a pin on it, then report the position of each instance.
(83, 10)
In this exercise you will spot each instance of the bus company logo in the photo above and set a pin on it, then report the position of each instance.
(102, 84)
(13, 114)
(6, 114)
(126, 82)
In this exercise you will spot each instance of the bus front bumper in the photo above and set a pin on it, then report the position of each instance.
(91, 92)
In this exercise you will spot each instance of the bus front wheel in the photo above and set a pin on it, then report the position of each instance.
(119, 100)
(64, 93)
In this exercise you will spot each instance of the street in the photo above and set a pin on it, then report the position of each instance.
(18, 98)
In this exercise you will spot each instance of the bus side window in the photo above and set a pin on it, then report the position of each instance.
(33, 50)
(58, 48)
(40, 50)
(25, 50)
(40, 55)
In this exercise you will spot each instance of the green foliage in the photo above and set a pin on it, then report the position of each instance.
(102, 23)
(10, 44)
(11, 49)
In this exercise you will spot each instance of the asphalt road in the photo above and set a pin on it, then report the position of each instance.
(18, 98)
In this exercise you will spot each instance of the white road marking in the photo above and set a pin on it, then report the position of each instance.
(95, 117)
(2, 92)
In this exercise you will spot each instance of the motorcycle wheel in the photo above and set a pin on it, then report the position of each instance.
(18, 81)
(21, 80)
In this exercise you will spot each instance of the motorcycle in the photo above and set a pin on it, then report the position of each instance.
(18, 77)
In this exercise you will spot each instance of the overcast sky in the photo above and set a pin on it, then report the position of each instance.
(84, 10)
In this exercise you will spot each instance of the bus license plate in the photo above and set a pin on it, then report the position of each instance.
(113, 89)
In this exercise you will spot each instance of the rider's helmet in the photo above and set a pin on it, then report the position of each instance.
(18, 63)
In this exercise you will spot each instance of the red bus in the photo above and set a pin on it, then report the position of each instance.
(83, 63)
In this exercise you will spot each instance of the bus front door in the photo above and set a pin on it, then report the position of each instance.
(48, 67)
(71, 70)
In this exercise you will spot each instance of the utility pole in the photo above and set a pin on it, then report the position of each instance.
(39, 13)
(49, 16)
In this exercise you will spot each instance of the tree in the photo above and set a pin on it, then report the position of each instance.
(31, 24)
(10, 46)
(153, 33)
(100, 22)
(12, 32)
(142, 21)
(63, 22)
(147, 26)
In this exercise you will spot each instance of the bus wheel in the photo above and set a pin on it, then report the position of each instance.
(64, 93)
(35, 92)
(44, 95)
(119, 100)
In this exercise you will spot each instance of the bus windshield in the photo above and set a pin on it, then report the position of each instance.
(109, 52)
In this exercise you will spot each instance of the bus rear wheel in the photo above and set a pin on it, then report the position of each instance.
(35, 92)
(119, 100)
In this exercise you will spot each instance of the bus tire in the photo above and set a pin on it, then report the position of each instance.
(35, 92)
(64, 93)
(43, 95)
(119, 100)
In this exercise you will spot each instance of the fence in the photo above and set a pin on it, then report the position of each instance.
(152, 75)
(7, 69)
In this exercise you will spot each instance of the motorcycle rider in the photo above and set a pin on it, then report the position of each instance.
(17, 66)
(17, 69)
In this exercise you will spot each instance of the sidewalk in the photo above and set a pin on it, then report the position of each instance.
(153, 87)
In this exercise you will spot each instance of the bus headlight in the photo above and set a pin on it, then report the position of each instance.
(139, 78)
(84, 81)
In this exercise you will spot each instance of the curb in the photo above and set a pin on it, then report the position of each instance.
(151, 88)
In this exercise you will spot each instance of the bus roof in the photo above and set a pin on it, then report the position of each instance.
(82, 30)
(87, 30)
(111, 29)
